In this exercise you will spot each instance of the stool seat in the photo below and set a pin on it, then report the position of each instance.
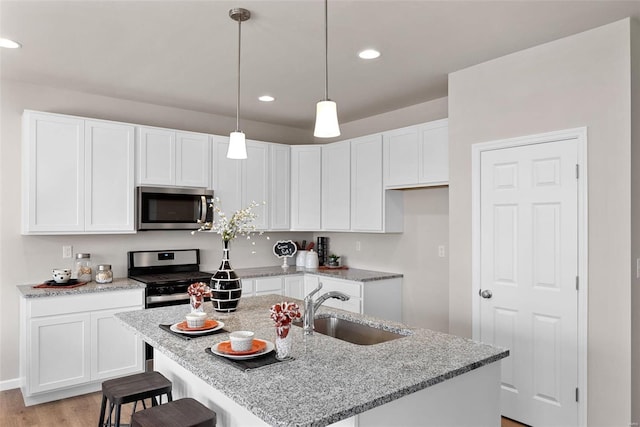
(185, 412)
(132, 388)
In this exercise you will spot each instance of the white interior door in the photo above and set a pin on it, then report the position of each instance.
(528, 277)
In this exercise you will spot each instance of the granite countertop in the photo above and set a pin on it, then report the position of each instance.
(353, 274)
(28, 291)
(329, 379)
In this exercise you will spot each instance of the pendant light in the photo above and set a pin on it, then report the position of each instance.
(237, 145)
(326, 110)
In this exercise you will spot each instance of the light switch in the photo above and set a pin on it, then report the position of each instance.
(67, 251)
(441, 251)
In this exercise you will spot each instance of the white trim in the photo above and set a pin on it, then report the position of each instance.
(580, 135)
(10, 384)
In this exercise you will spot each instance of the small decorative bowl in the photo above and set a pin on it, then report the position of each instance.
(61, 275)
(241, 340)
(196, 320)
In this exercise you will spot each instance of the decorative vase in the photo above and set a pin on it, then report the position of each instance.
(197, 302)
(226, 288)
(284, 342)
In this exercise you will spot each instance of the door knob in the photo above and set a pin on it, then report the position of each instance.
(486, 294)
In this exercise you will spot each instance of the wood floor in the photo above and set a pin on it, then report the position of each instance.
(81, 411)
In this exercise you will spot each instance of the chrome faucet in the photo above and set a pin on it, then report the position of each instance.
(310, 306)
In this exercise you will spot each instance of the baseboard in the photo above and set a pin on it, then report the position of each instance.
(9, 384)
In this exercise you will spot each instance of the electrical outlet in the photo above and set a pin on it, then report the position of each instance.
(67, 251)
(441, 251)
(358, 246)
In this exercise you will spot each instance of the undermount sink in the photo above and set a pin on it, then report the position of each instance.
(355, 333)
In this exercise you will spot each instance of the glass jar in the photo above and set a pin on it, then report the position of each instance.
(83, 267)
(104, 274)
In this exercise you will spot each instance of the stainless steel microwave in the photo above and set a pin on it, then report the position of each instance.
(173, 208)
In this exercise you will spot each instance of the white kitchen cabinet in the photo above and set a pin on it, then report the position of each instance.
(378, 298)
(109, 177)
(294, 287)
(306, 187)
(173, 158)
(70, 344)
(237, 183)
(417, 156)
(78, 175)
(262, 286)
(336, 187)
(279, 201)
(372, 208)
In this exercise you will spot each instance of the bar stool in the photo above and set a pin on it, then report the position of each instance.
(120, 391)
(185, 412)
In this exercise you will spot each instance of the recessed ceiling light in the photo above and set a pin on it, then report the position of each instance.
(9, 43)
(266, 98)
(369, 54)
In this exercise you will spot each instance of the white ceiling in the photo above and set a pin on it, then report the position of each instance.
(183, 53)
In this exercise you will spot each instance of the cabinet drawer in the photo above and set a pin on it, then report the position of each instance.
(50, 306)
(353, 289)
(269, 285)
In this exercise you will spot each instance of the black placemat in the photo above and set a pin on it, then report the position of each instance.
(249, 364)
(190, 336)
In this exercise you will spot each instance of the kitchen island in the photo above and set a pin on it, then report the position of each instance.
(423, 378)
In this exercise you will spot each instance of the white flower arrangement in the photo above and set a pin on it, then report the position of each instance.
(240, 223)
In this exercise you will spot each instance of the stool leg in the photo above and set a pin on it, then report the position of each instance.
(169, 397)
(103, 408)
(117, 424)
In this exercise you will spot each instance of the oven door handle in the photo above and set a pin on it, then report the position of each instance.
(166, 298)
(203, 209)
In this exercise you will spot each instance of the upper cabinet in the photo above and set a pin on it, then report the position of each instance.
(336, 188)
(305, 187)
(373, 209)
(279, 202)
(237, 183)
(168, 157)
(78, 175)
(417, 156)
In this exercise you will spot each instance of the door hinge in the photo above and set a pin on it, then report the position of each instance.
(577, 283)
(577, 395)
(577, 171)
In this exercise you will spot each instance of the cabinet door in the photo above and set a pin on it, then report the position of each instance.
(53, 173)
(294, 287)
(115, 350)
(156, 156)
(401, 157)
(434, 153)
(353, 289)
(59, 352)
(336, 186)
(227, 179)
(305, 187)
(109, 177)
(366, 184)
(247, 288)
(255, 181)
(280, 195)
(193, 156)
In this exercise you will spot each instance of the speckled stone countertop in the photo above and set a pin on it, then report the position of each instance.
(329, 379)
(28, 291)
(348, 274)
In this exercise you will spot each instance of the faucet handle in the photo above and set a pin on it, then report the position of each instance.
(313, 292)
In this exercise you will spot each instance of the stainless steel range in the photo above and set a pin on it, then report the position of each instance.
(167, 274)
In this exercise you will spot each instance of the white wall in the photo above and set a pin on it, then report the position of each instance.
(635, 216)
(28, 259)
(582, 80)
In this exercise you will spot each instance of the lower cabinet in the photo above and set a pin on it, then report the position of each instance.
(262, 286)
(70, 344)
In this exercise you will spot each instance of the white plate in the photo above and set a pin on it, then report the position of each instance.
(268, 349)
(174, 328)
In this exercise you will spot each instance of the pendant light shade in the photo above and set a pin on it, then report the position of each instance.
(326, 120)
(327, 125)
(237, 146)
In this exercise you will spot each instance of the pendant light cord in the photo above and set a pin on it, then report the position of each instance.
(326, 52)
(238, 97)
